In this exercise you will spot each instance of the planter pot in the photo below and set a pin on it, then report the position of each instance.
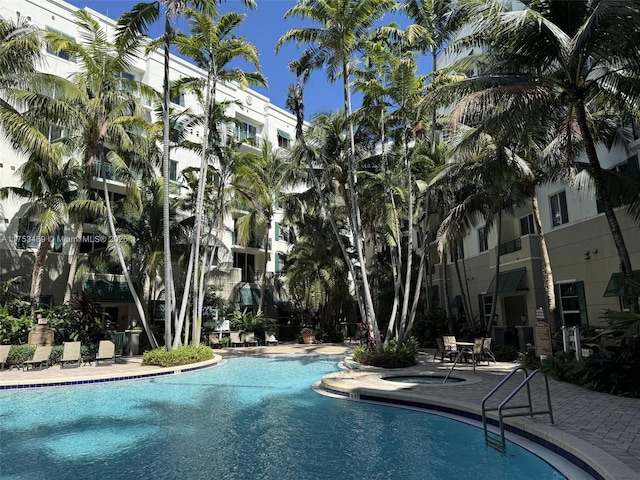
(308, 338)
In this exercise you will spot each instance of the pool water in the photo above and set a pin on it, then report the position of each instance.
(253, 418)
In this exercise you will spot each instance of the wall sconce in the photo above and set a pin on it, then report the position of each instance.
(587, 255)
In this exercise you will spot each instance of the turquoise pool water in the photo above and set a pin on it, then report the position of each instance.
(253, 418)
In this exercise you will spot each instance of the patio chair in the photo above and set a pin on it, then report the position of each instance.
(478, 351)
(486, 350)
(214, 340)
(442, 351)
(106, 351)
(270, 338)
(4, 355)
(71, 354)
(41, 356)
(250, 339)
(450, 344)
(235, 339)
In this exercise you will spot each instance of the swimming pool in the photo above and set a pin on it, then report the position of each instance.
(253, 418)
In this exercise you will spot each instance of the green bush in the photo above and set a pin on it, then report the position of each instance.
(14, 329)
(563, 366)
(390, 357)
(505, 353)
(529, 360)
(20, 354)
(183, 355)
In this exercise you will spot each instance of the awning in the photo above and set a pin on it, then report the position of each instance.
(509, 281)
(284, 134)
(251, 296)
(614, 287)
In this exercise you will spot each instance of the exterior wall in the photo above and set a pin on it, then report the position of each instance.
(254, 109)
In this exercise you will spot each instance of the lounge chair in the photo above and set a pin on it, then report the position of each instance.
(250, 339)
(71, 354)
(235, 339)
(4, 355)
(106, 351)
(270, 338)
(214, 340)
(41, 356)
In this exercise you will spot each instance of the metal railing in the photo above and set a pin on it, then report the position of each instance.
(501, 443)
(510, 247)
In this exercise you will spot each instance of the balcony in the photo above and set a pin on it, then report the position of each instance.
(510, 247)
(253, 242)
(107, 287)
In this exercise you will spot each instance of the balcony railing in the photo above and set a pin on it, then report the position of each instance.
(510, 247)
(250, 140)
(253, 242)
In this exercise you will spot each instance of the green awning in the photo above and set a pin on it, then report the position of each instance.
(614, 287)
(509, 281)
(284, 134)
(251, 296)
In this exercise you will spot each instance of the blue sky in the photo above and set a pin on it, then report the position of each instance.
(263, 27)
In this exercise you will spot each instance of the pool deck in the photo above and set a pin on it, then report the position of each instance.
(601, 430)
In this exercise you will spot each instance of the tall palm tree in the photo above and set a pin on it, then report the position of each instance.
(132, 26)
(334, 42)
(214, 47)
(261, 181)
(577, 54)
(106, 122)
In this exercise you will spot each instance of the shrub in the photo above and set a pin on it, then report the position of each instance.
(505, 353)
(390, 357)
(529, 360)
(183, 355)
(563, 366)
(13, 329)
(19, 354)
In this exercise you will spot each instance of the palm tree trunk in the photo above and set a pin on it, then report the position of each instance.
(73, 264)
(496, 285)
(445, 291)
(355, 212)
(407, 281)
(628, 293)
(263, 280)
(168, 275)
(36, 274)
(463, 295)
(547, 273)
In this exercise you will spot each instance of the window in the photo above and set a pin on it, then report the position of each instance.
(245, 131)
(279, 262)
(284, 139)
(527, 225)
(29, 237)
(283, 233)
(63, 54)
(483, 241)
(178, 99)
(558, 203)
(572, 303)
(173, 170)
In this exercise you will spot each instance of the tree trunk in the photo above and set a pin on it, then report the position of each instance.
(37, 272)
(263, 280)
(547, 273)
(168, 275)
(496, 285)
(73, 264)
(628, 292)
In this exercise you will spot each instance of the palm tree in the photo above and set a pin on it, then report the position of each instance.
(48, 188)
(105, 120)
(343, 25)
(576, 54)
(261, 181)
(213, 47)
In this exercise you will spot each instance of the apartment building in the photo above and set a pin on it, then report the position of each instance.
(583, 256)
(240, 267)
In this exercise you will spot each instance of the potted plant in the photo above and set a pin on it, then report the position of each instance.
(308, 335)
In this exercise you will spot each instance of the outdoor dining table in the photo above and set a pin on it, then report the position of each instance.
(467, 347)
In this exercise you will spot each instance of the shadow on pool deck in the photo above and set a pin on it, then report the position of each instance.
(601, 429)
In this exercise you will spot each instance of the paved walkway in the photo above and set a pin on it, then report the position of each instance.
(603, 430)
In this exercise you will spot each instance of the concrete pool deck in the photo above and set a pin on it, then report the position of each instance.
(601, 430)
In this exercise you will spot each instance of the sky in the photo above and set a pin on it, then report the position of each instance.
(263, 27)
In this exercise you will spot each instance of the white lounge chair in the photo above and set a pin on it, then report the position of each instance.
(4, 355)
(250, 339)
(270, 338)
(235, 339)
(71, 354)
(41, 356)
(106, 351)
